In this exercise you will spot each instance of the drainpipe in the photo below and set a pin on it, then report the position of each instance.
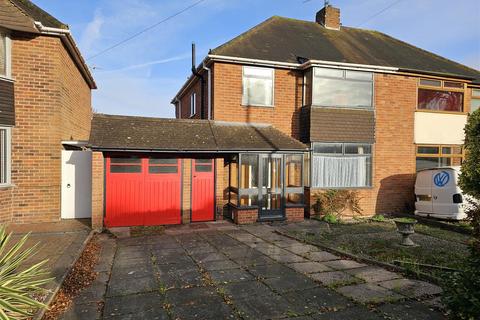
(209, 93)
(202, 82)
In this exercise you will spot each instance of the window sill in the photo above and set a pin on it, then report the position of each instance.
(5, 78)
(341, 188)
(6, 186)
(440, 111)
(257, 106)
(343, 107)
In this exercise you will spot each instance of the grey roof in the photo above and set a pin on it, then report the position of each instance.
(38, 14)
(112, 132)
(287, 40)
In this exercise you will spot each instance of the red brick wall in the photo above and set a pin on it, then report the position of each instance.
(294, 214)
(184, 111)
(186, 190)
(52, 103)
(245, 216)
(98, 183)
(227, 99)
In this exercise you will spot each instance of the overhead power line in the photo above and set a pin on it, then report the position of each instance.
(133, 36)
(380, 12)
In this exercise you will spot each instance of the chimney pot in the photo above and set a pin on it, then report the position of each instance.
(329, 17)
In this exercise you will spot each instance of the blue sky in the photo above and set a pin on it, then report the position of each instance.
(141, 76)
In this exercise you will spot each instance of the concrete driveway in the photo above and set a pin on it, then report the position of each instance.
(244, 273)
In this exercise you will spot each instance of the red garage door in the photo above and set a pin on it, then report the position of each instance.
(142, 191)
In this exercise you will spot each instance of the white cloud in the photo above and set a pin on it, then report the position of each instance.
(92, 32)
(148, 64)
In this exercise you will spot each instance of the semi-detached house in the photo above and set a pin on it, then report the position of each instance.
(287, 109)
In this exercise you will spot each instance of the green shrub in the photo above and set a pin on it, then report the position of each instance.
(462, 289)
(19, 283)
(330, 218)
(378, 218)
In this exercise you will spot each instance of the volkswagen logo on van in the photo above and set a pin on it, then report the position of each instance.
(441, 178)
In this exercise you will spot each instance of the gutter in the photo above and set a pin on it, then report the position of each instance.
(209, 94)
(103, 149)
(69, 42)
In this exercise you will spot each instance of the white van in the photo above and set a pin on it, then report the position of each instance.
(438, 195)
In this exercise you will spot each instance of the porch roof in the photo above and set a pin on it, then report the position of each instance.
(128, 133)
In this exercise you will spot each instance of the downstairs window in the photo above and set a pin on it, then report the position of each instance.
(341, 165)
(5, 155)
(435, 156)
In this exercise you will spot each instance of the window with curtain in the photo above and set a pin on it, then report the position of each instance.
(440, 95)
(5, 148)
(342, 88)
(341, 165)
(257, 86)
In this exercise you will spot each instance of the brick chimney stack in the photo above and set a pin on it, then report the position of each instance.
(329, 17)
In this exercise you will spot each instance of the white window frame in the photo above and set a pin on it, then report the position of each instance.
(369, 156)
(8, 55)
(8, 157)
(244, 94)
(193, 104)
(344, 77)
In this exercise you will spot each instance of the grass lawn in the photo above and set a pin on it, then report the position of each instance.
(379, 240)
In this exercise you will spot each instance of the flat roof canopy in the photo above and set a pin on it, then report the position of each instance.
(128, 133)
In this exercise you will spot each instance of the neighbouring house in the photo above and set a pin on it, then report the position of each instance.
(45, 113)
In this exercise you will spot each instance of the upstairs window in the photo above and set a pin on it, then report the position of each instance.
(257, 86)
(440, 95)
(475, 102)
(5, 151)
(342, 88)
(193, 104)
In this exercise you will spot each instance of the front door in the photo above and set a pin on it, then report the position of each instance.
(76, 184)
(271, 187)
(203, 190)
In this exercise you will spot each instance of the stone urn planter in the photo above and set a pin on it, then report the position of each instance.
(405, 226)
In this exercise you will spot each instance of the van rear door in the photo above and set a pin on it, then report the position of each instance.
(423, 192)
(443, 188)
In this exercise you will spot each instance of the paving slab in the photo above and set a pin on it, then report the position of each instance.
(219, 265)
(411, 288)
(198, 303)
(134, 305)
(309, 267)
(411, 310)
(317, 299)
(264, 307)
(128, 286)
(287, 258)
(244, 289)
(373, 274)
(357, 313)
(343, 264)
(170, 276)
(275, 270)
(208, 257)
(90, 311)
(321, 256)
(334, 278)
(291, 282)
(369, 293)
(232, 275)
(301, 249)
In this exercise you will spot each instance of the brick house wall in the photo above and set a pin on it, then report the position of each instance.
(52, 103)
(182, 110)
(227, 99)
